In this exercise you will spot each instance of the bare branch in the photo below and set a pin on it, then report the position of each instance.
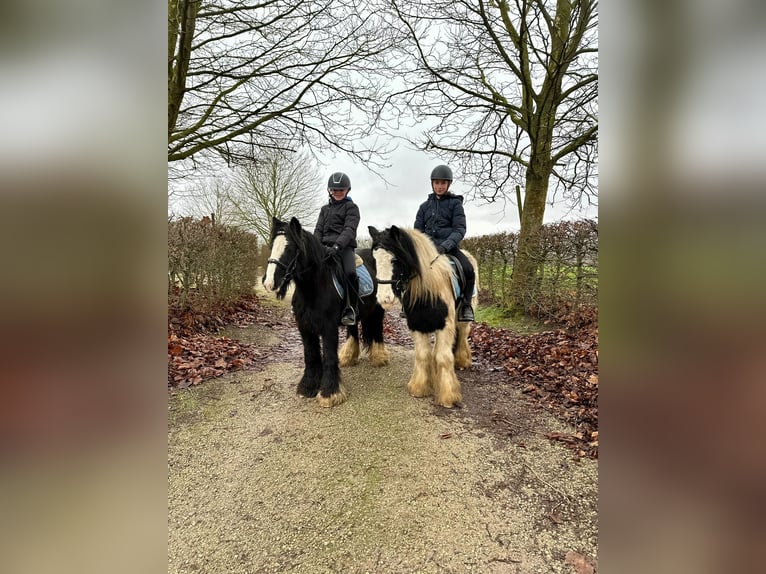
(277, 74)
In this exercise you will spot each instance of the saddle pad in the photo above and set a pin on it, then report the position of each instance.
(456, 287)
(364, 281)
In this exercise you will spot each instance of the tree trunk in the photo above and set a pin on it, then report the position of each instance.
(182, 19)
(524, 280)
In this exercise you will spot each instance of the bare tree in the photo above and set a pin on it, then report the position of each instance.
(212, 198)
(273, 74)
(275, 185)
(513, 89)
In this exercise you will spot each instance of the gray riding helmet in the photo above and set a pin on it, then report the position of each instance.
(339, 180)
(442, 172)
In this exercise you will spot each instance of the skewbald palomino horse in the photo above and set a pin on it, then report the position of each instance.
(298, 257)
(422, 280)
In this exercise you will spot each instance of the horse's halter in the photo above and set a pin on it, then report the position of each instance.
(289, 269)
(398, 282)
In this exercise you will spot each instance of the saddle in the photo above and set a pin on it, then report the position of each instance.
(363, 278)
(458, 277)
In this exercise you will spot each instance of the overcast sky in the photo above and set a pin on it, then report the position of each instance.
(396, 203)
(409, 178)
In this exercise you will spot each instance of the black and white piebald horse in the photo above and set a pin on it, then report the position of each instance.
(424, 282)
(298, 257)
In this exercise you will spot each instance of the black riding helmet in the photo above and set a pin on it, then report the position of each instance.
(339, 180)
(441, 172)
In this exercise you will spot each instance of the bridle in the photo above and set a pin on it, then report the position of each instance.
(289, 269)
(398, 283)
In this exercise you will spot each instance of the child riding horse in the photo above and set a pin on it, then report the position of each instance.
(422, 279)
(298, 257)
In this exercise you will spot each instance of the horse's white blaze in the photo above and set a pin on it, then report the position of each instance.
(277, 250)
(385, 270)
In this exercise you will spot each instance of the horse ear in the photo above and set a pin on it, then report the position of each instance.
(293, 230)
(374, 233)
(275, 222)
(395, 232)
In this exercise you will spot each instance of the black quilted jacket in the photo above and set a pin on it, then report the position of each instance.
(337, 223)
(443, 220)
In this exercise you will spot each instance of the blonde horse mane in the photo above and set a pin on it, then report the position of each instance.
(435, 278)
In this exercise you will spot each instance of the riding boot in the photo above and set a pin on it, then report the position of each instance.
(465, 311)
(349, 314)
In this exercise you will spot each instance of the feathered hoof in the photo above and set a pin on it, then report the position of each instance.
(349, 353)
(379, 355)
(379, 361)
(333, 400)
(450, 400)
(461, 365)
(450, 404)
(418, 390)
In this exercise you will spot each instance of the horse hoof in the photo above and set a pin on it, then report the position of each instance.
(462, 365)
(419, 393)
(379, 355)
(349, 353)
(455, 402)
(456, 405)
(379, 362)
(332, 401)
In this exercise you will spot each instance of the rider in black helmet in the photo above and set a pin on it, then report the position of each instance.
(336, 230)
(442, 218)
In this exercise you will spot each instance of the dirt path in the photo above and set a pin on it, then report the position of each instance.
(261, 480)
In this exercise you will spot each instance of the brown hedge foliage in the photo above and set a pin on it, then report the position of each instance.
(566, 290)
(209, 265)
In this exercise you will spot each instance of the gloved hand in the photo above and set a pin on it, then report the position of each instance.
(441, 250)
(330, 250)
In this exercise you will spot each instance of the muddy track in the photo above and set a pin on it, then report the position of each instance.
(261, 480)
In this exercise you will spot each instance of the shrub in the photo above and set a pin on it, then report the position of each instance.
(566, 289)
(209, 265)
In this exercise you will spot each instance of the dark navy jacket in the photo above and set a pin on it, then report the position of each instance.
(443, 220)
(337, 223)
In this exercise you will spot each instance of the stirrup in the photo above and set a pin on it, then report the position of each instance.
(349, 317)
(465, 313)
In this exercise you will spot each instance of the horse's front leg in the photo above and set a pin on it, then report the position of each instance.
(312, 370)
(420, 382)
(330, 391)
(446, 384)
